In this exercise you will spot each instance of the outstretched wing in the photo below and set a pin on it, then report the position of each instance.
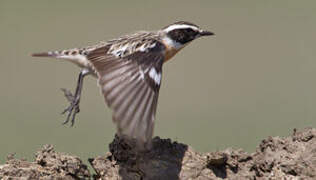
(130, 83)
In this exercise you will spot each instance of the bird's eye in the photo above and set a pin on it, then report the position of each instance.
(189, 30)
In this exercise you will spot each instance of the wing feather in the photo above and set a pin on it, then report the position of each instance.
(127, 117)
(129, 89)
(136, 117)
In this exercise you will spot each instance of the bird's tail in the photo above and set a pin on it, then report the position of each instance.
(64, 54)
(77, 56)
(47, 54)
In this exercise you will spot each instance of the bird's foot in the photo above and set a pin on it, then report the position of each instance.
(73, 108)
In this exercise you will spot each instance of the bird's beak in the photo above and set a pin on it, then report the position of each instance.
(206, 33)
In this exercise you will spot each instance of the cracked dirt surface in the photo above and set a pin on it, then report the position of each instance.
(292, 157)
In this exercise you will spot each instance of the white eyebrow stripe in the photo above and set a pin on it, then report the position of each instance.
(179, 26)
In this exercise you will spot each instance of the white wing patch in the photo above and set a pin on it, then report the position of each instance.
(153, 74)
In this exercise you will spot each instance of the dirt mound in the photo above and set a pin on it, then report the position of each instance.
(292, 157)
(48, 165)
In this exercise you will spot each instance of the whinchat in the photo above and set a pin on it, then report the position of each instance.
(129, 71)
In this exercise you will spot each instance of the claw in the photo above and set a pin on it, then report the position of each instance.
(77, 110)
(72, 109)
(74, 99)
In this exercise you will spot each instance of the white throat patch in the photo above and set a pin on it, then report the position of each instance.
(172, 43)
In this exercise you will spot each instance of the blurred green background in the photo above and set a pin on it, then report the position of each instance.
(254, 79)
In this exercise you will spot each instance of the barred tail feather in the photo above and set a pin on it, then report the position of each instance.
(77, 56)
(46, 54)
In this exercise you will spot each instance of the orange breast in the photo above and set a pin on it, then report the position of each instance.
(170, 51)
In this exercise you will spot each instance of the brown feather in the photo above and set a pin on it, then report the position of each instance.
(128, 88)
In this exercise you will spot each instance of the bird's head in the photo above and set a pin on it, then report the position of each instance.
(181, 33)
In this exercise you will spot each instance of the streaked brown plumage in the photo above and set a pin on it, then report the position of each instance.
(129, 73)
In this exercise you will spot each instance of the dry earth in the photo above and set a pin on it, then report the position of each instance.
(292, 157)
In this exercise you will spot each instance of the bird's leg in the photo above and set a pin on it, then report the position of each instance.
(74, 100)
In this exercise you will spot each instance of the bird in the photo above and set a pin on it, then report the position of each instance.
(129, 72)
